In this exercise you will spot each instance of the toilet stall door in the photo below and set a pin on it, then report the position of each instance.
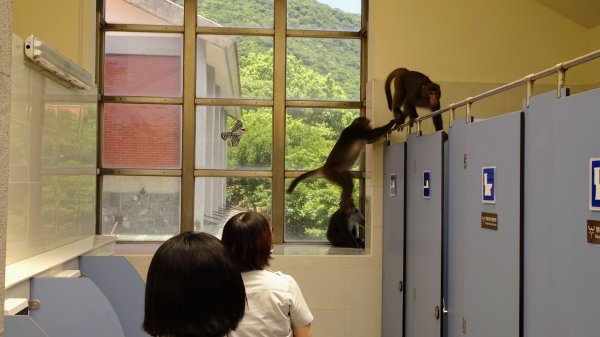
(424, 223)
(562, 216)
(392, 309)
(493, 225)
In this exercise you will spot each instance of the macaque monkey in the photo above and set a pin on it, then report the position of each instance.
(342, 223)
(343, 155)
(412, 89)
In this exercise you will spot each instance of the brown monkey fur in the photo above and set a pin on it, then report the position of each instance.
(343, 155)
(412, 89)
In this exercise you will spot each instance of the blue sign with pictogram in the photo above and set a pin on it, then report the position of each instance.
(488, 185)
(426, 184)
(594, 184)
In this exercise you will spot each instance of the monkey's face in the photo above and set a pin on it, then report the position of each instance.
(434, 97)
(432, 93)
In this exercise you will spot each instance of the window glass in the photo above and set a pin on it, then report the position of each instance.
(68, 206)
(235, 13)
(161, 12)
(309, 207)
(69, 135)
(234, 66)
(140, 208)
(337, 15)
(233, 137)
(323, 69)
(143, 64)
(144, 136)
(140, 135)
(311, 133)
(218, 199)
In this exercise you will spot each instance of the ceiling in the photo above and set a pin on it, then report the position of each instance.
(584, 12)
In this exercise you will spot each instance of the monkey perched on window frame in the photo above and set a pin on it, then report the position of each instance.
(412, 89)
(342, 224)
(343, 155)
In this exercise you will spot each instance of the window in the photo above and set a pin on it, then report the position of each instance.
(211, 107)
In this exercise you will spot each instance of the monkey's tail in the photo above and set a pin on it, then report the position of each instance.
(388, 87)
(300, 178)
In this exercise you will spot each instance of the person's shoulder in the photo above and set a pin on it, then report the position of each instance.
(268, 279)
(277, 276)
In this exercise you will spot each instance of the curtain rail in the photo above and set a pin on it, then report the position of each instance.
(560, 68)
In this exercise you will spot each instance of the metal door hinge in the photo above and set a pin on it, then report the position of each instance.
(34, 305)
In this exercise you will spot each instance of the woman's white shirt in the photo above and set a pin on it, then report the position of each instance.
(275, 304)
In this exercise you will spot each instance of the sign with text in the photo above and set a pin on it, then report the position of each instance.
(593, 231)
(594, 184)
(489, 221)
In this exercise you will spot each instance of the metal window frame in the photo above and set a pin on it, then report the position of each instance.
(278, 103)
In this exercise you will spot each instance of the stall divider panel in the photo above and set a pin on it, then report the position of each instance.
(456, 228)
(424, 235)
(123, 287)
(73, 307)
(392, 310)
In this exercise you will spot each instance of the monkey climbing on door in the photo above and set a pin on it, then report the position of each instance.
(343, 155)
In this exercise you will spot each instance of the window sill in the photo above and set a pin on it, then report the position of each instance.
(23, 270)
(290, 249)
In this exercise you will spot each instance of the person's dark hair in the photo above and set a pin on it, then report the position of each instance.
(193, 288)
(248, 238)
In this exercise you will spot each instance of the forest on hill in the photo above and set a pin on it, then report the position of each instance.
(333, 57)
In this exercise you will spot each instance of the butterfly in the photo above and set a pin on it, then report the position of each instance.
(235, 134)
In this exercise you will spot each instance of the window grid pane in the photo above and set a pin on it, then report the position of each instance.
(145, 12)
(323, 69)
(334, 15)
(144, 136)
(309, 207)
(234, 66)
(218, 199)
(230, 137)
(143, 64)
(140, 208)
(311, 133)
(235, 13)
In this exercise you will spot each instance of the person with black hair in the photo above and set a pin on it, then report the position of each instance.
(276, 307)
(193, 289)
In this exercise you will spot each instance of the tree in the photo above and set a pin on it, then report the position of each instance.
(310, 135)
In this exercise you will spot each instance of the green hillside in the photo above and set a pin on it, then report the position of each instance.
(333, 57)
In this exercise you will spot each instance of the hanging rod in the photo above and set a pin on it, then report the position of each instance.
(560, 68)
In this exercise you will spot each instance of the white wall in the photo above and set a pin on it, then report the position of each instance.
(470, 40)
(67, 25)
